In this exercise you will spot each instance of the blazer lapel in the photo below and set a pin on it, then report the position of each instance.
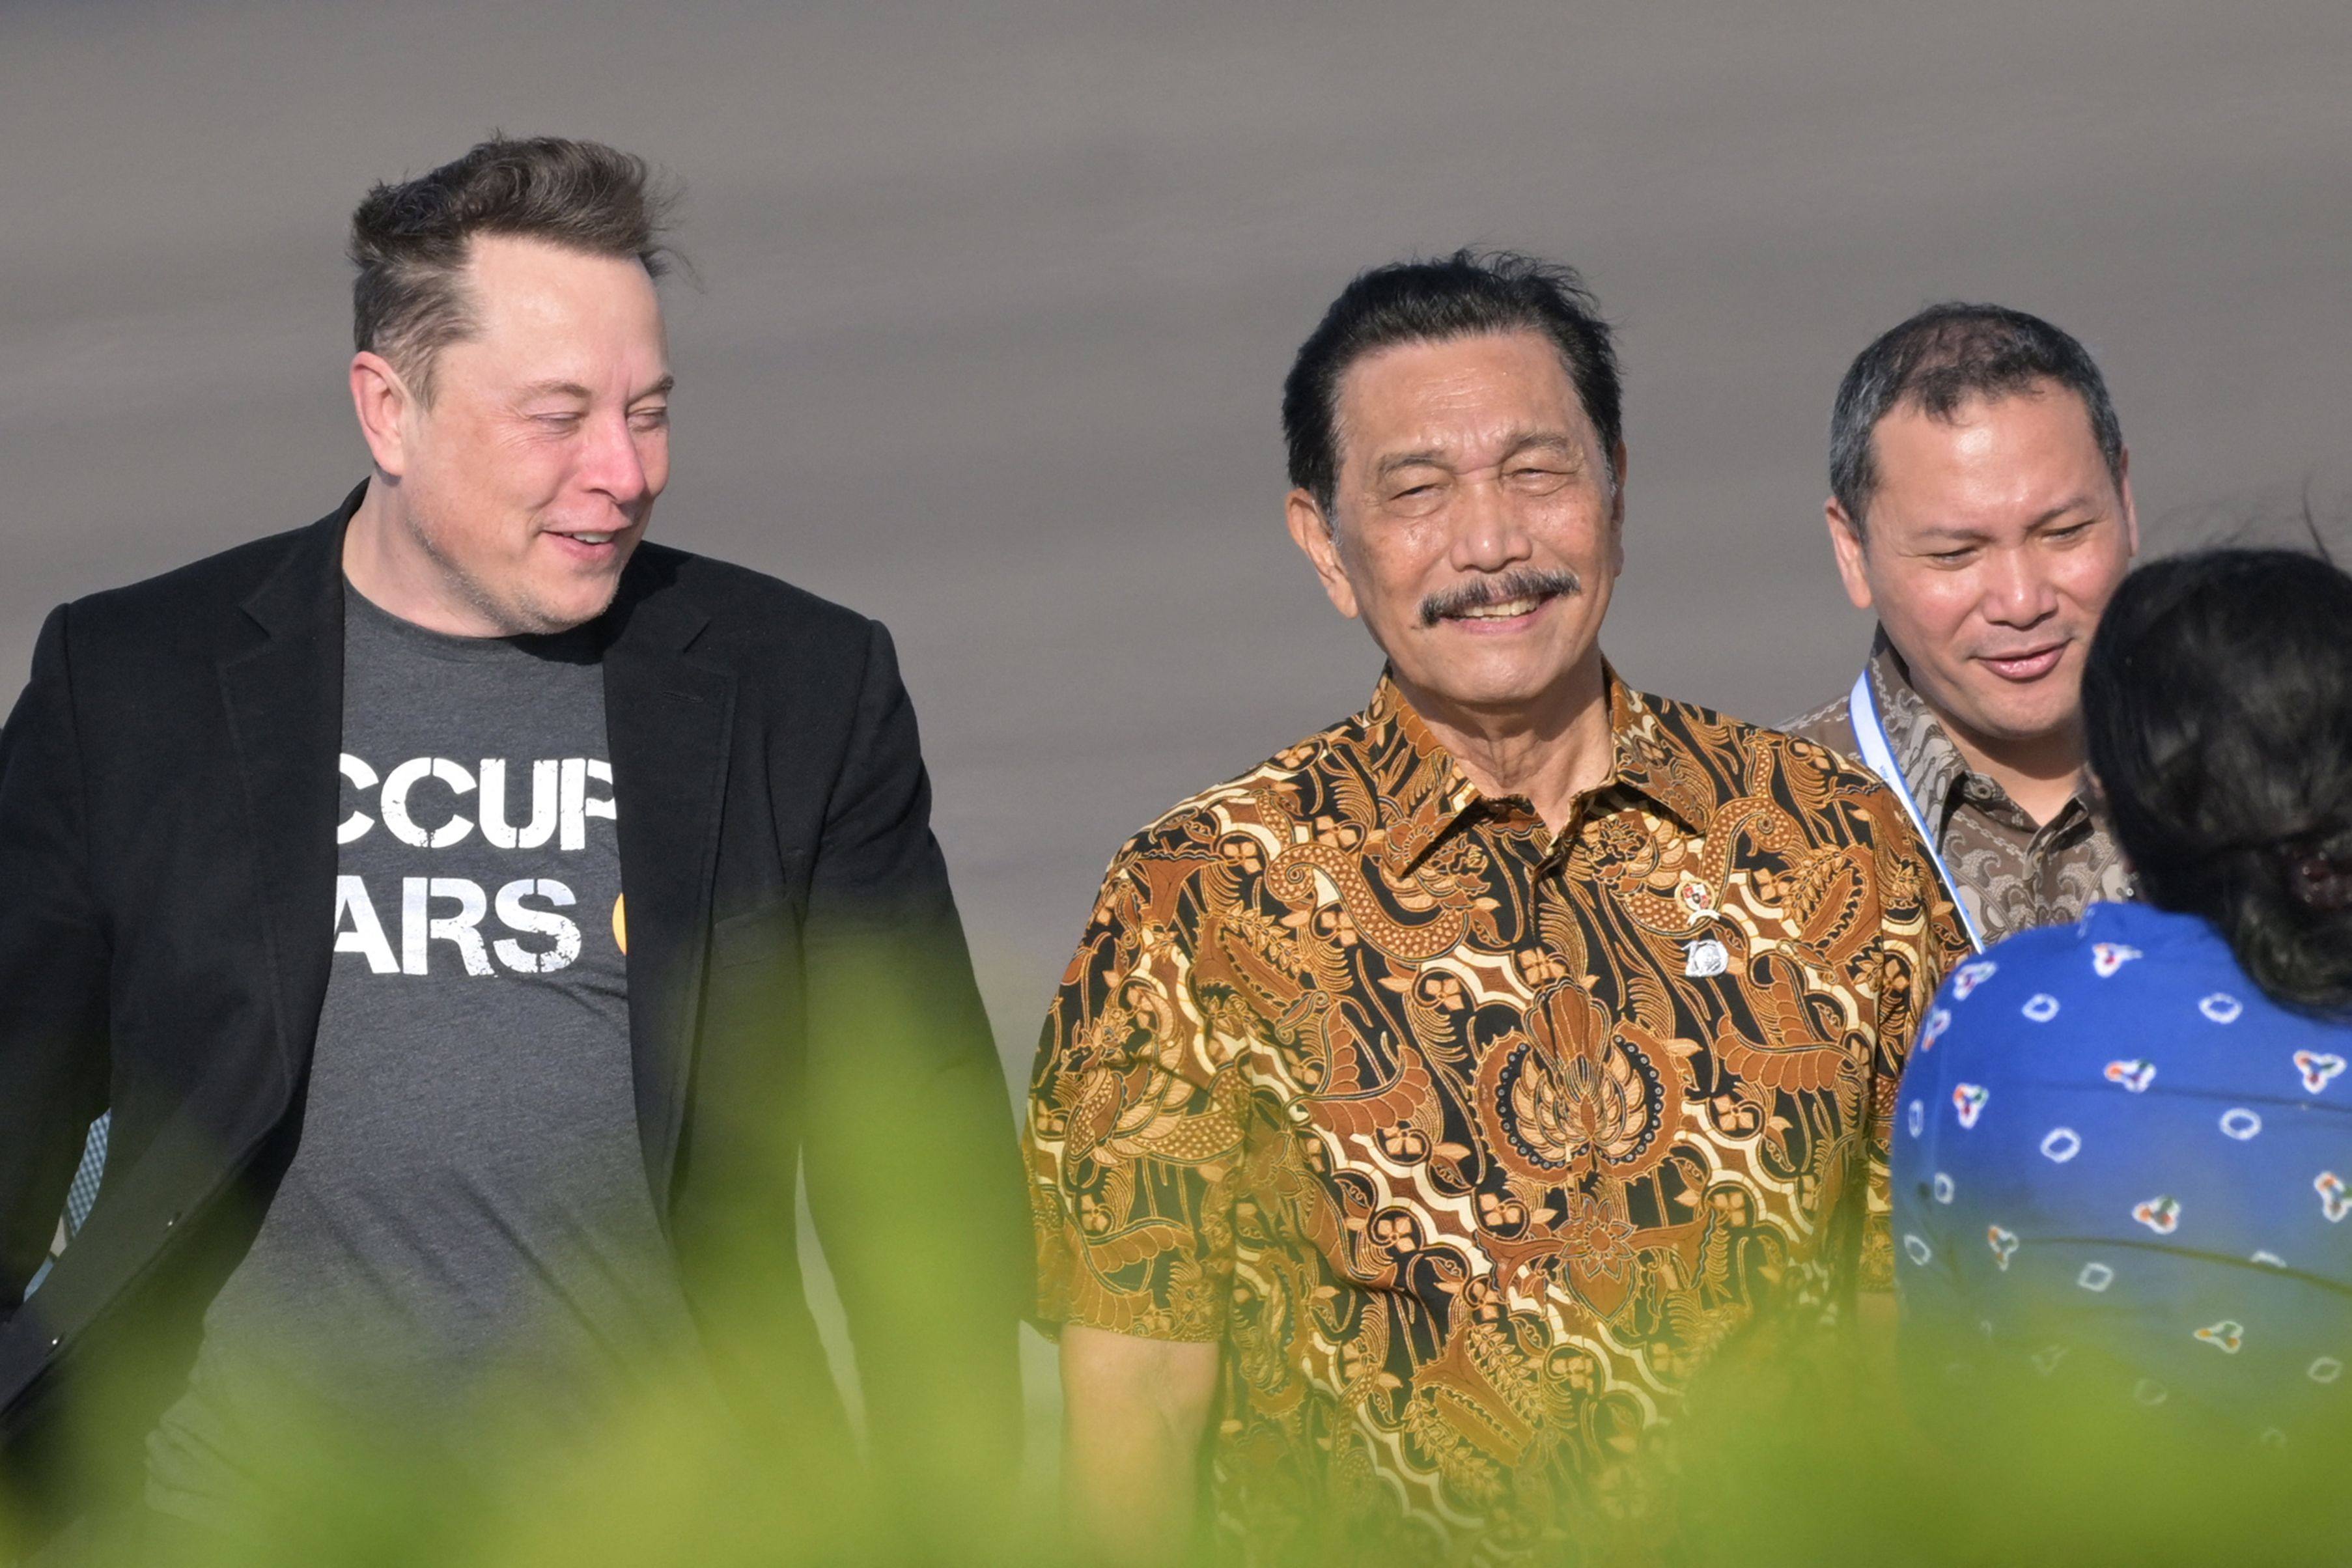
(669, 721)
(285, 702)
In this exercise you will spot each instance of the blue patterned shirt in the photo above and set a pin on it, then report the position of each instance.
(2120, 1169)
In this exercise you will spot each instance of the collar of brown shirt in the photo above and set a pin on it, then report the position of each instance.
(1932, 763)
(2013, 872)
(1642, 763)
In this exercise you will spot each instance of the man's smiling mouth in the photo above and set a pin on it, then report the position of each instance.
(2029, 665)
(587, 540)
(1509, 609)
(1506, 598)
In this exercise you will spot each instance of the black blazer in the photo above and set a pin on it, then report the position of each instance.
(799, 987)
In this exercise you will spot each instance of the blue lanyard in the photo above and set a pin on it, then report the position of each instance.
(1870, 736)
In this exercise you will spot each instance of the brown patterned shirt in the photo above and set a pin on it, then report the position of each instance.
(1466, 1143)
(2013, 873)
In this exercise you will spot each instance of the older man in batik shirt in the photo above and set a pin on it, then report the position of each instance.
(1982, 508)
(1425, 1106)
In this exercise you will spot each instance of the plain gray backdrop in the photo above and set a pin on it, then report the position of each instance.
(995, 303)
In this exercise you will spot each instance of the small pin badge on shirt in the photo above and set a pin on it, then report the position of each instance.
(1709, 957)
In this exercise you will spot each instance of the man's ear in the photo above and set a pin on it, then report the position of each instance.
(1312, 532)
(1846, 543)
(2122, 489)
(1617, 511)
(383, 402)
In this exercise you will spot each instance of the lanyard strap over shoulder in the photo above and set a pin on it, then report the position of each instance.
(1870, 737)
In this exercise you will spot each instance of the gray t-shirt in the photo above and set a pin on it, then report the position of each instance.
(466, 1222)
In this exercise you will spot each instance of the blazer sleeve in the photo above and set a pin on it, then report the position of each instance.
(52, 966)
(912, 1166)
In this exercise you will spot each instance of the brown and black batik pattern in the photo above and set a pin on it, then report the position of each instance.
(1468, 1143)
(2013, 873)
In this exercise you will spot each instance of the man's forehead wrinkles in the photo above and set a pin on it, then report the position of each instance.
(1479, 450)
(564, 386)
(1998, 515)
(1424, 456)
(2077, 506)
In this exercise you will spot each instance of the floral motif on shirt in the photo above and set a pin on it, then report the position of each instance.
(1434, 1123)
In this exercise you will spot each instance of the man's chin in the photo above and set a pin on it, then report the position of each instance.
(1494, 691)
(2022, 723)
(546, 614)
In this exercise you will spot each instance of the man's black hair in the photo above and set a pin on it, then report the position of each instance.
(410, 240)
(1941, 359)
(1466, 294)
(2217, 712)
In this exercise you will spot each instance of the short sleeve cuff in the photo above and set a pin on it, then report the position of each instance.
(1178, 1301)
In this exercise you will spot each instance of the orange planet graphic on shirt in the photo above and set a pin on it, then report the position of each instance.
(621, 924)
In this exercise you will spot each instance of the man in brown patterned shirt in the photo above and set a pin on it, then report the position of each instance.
(1982, 447)
(1421, 1108)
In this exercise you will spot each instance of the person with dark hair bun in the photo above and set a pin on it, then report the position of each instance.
(2219, 716)
(2125, 1163)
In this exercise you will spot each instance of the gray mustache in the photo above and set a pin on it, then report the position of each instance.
(1482, 591)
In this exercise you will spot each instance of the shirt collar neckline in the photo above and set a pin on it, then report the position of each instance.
(1430, 793)
(1932, 763)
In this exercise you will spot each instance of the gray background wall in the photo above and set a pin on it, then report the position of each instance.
(995, 303)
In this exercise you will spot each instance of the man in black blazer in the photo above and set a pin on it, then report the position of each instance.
(635, 910)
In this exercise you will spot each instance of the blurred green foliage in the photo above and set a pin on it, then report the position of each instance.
(1791, 1450)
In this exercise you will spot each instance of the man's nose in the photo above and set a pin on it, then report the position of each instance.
(2018, 593)
(613, 463)
(1489, 535)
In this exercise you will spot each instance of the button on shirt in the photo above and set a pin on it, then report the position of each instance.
(2013, 873)
(1467, 1142)
(2123, 1167)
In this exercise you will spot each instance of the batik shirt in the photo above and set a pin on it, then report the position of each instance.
(1469, 1142)
(2123, 1176)
(2011, 872)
